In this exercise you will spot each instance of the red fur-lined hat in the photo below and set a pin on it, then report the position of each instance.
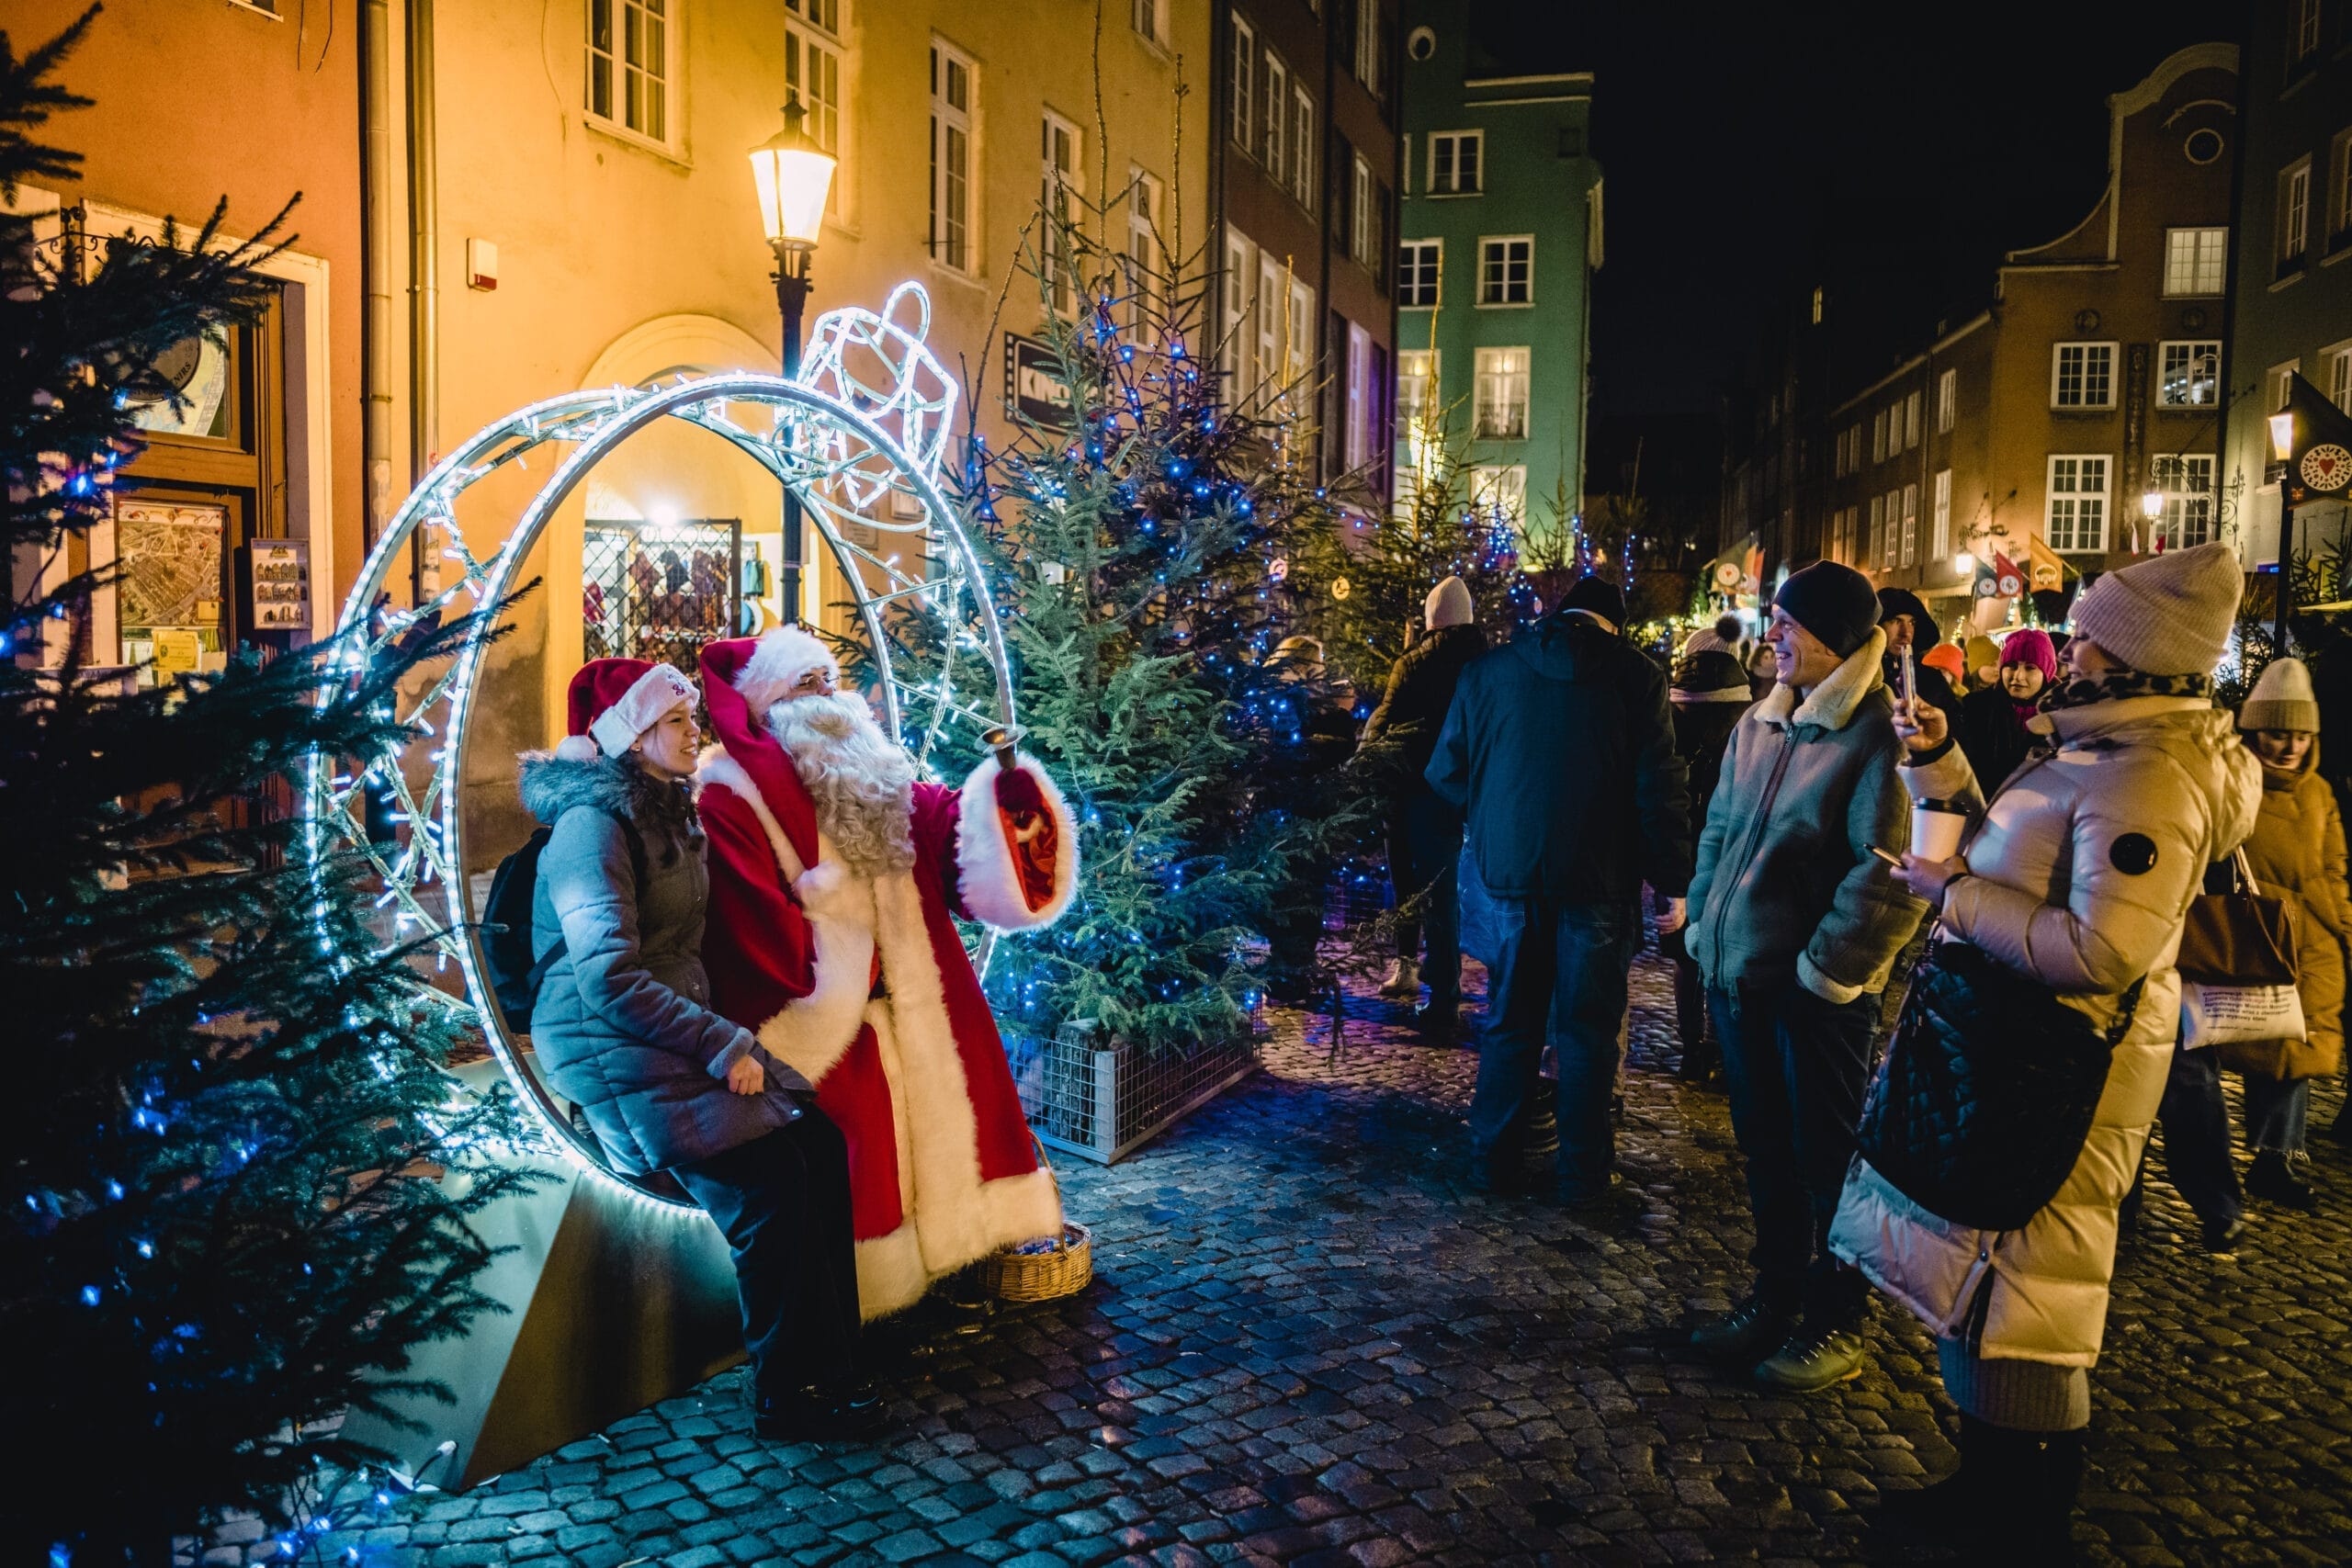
(614, 701)
(779, 660)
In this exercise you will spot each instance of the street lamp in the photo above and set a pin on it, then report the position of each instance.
(2283, 446)
(793, 175)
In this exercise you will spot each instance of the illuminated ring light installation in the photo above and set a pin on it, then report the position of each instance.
(858, 434)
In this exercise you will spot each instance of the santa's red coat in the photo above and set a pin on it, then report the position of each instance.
(864, 986)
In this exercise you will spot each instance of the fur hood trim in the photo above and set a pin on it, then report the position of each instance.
(552, 784)
(1833, 703)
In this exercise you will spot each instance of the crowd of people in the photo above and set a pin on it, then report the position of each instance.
(1923, 902)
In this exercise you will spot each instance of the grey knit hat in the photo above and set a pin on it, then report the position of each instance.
(2167, 615)
(2281, 699)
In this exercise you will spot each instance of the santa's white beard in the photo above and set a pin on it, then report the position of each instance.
(861, 781)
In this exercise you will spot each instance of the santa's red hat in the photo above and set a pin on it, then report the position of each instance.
(614, 701)
(778, 661)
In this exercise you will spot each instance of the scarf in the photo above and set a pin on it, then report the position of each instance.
(2084, 690)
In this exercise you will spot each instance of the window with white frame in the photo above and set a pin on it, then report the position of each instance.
(1298, 339)
(2075, 516)
(1364, 215)
(1837, 455)
(2081, 376)
(1499, 400)
(1145, 192)
(1940, 541)
(1878, 437)
(1276, 121)
(2185, 480)
(1911, 421)
(1911, 525)
(1362, 397)
(1854, 447)
(1946, 401)
(951, 158)
(1272, 300)
(1892, 544)
(1417, 266)
(2197, 261)
(628, 66)
(1060, 177)
(2294, 214)
(2339, 188)
(2280, 384)
(1417, 389)
(1368, 44)
(1245, 78)
(2305, 39)
(1507, 270)
(812, 68)
(2339, 377)
(1150, 20)
(1878, 527)
(1301, 146)
(2185, 373)
(1232, 352)
(1457, 163)
(1499, 490)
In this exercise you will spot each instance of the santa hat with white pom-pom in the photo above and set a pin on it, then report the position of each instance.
(780, 658)
(614, 701)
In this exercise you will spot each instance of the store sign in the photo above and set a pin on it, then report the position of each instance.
(1033, 387)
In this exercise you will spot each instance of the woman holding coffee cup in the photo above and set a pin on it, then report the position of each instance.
(2079, 883)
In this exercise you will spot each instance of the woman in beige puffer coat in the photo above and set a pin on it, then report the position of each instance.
(2078, 875)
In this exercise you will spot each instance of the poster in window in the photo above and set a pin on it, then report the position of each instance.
(196, 369)
(170, 556)
(280, 572)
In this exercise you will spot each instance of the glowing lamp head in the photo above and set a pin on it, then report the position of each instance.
(2152, 506)
(2282, 435)
(1963, 563)
(793, 175)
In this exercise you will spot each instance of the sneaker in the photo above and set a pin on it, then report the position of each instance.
(2273, 1179)
(2222, 1235)
(1743, 1334)
(1403, 981)
(1812, 1360)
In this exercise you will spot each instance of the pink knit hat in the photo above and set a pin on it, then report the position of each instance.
(2031, 646)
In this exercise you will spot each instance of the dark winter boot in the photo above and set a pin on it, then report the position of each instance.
(2044, 1517)
(1959, 1509)
(2273, 1179)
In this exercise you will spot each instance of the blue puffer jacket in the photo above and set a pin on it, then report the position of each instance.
(622, 1024)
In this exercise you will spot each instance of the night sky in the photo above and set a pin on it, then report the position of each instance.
(1889, 152)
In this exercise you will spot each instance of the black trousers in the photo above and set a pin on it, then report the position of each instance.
(782, 1200)
(1424, 843)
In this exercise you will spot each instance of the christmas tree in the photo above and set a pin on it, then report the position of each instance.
(228, 1110)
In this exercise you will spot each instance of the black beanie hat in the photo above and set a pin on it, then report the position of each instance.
(1834, 602)
(1893, 602)
(1598, 595)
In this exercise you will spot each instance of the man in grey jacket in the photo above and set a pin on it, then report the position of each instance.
(1794, 924)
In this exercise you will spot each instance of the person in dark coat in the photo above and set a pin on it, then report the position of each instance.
(1991, 731)
(1560, 747)
(1425, 831)
(1310, 719)
(1709, 694)
(622, 1025)
(1906, 624)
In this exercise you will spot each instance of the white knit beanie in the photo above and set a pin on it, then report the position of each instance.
(1448, 606)
(2167, 615)
(2281, 699)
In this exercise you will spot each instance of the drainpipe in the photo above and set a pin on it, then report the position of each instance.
(424, 312)
(376, 223)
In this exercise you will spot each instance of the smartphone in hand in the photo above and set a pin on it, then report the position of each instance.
(1894, 860)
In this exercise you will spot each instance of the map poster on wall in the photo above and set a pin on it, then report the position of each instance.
(170, 554)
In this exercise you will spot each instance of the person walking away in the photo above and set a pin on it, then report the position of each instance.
(1709, 693)
(1907, 625)
(1424, 830)
(1796, 924)
(1317, 737)
(622, 1025)
(2296, 853)
(2078, 875)
(1560, 748)
(1992, 724)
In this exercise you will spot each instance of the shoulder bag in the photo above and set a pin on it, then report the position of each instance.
(2237, 966)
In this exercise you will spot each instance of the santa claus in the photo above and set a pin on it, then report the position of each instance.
(836, 878)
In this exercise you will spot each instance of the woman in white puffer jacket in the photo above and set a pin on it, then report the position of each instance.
(2078, 876)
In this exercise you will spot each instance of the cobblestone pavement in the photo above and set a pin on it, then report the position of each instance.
(1308, 1342)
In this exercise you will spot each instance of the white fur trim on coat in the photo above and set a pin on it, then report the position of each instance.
(780, 658)
(812, 1032)
(989, 884)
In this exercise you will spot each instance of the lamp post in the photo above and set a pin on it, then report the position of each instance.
(793, 175)
(2283, 446)
(2152, 507)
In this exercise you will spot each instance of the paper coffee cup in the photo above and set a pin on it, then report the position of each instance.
(1936, 827)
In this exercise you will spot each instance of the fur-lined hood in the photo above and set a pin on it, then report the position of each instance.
(618, 786)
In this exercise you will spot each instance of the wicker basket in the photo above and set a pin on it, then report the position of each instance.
(1064, 1268)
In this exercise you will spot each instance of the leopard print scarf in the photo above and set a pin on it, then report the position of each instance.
(2084, 690)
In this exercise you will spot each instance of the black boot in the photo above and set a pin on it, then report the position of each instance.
(1954, 1509)
(2044, 1509)
(2273, 1179)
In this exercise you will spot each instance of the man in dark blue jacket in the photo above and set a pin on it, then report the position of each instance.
(1560, 748)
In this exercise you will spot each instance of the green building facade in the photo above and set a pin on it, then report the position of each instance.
(1499, 233)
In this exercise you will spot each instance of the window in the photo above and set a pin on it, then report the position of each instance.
(812, 67)
(1939, 543)
(2081, 376)
(1878, 526)
(2339, 184)
(1362, 395)
(1298, 338)
(2339, 378)
(2294, 215)
(2197, 261)
(2076, 519)
(1301, 146)
(1457, 163)
(1911, 422)
(1236, 282)
(629, 65)
(1501, 488)
(2306, 36)
(1891, 543)
(1368, 44)
(1507, 271)
(1143, 259)
(1499, 411)
(2281, 383)
(1911, 525)
(2187, 373)
(1946, 401)
(1150, 20)
(1417, 389)
(1878, 437)
(1364, 218)
(1272, 300)
(1417, 264)
(951, 158)
(1245, 73)
(1061, 175)
(1277, 94)
(2186, 481)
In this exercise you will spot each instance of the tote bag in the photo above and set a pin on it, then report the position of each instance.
(2237, 967)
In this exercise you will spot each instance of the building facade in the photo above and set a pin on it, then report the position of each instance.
(1306, 177)
(2291, 262)
(1501, 232)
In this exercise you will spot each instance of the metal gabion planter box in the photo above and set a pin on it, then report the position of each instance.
(1103, 1103)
